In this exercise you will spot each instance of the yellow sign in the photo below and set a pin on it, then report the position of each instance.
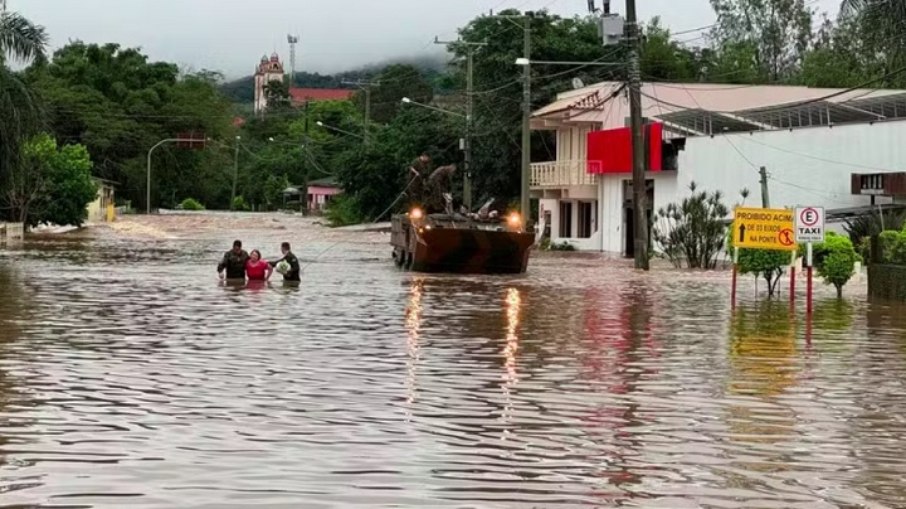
(764, 229)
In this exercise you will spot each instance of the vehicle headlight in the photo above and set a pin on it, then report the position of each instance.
(514, 220)
(416, 214)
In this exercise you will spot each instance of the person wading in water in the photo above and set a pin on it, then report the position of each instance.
(293, 274)
(233, 263)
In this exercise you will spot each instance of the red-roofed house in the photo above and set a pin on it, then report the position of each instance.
(302, 95)
(271, 69)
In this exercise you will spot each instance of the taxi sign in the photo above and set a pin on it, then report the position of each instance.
(764, 229)
(810, 224)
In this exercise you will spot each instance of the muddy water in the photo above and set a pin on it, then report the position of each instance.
(130, 378)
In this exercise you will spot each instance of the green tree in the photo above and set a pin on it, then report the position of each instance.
(838, 57)
(118, 104)
(880, 28)
(19, 113)
(374, 175)
(53, 185)
(665, 59)
(779, 32)
(496, 146)
(276, 94)
(835, 260)
(392, 84)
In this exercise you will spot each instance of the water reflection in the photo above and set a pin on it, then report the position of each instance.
(413, 348)
(513, 307)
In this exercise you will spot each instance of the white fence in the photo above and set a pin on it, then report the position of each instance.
(561, 174)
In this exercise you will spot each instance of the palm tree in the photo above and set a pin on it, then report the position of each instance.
(20, 38)
(19, 116)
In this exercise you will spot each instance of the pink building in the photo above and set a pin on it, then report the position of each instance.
(321, 192)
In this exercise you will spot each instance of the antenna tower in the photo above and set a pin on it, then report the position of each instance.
(292, 40)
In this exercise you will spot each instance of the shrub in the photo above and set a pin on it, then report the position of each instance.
(562, 246)
(765, 263)
(343, 210)
(692, 231)
(835, 260)
(240, 204)
(873, 223)
(190, 204)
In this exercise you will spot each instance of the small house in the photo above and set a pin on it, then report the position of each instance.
(102, 208)
(321, 192)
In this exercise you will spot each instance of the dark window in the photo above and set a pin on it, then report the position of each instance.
(586, 218)
(566, 219)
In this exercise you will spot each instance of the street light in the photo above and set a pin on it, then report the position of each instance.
(337, 129)
(406, 100)
(525, 62)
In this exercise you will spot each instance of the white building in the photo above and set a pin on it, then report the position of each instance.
(811, 141)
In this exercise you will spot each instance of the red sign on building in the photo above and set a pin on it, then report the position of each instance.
(610, 151)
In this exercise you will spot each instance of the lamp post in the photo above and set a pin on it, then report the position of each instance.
(337, 129)
(150, 152)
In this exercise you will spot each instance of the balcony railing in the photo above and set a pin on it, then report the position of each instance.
(561, 174)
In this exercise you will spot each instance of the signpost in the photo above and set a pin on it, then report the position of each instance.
(753, 228)
(809, 229)
(764, 229)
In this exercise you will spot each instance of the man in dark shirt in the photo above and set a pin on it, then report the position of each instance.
(233, 262)
(292, 275)
(418, 174)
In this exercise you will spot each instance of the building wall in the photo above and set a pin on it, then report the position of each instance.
(97, 210)
(809, 166)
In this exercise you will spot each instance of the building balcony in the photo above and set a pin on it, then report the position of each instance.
(561, 174)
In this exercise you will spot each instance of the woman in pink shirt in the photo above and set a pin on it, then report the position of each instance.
(257, 269)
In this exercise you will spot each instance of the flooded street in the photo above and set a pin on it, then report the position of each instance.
(130, 377)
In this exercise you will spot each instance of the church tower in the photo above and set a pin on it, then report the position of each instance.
(268, 70)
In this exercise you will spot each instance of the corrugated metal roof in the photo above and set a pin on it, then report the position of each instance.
(700, 108)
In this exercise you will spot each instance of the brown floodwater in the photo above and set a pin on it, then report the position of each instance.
(129, 377)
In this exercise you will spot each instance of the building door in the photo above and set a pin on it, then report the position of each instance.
(566, 219)
(629, 218)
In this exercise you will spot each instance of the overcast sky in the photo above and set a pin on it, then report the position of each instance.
(231, 35)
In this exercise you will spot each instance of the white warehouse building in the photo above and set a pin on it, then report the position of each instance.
(820, 147)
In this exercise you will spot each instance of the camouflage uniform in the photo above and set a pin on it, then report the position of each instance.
(418, 185)
(234, 264)
(440, 182)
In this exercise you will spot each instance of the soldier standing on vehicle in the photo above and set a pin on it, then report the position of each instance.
(417, 176)
(439, 187)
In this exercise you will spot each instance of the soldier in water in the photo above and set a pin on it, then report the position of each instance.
(233, 263)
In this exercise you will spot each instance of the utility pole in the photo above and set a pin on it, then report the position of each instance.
(235, 174)
(365, 87)
(471, 48)
(765, 199)
(639, 187)
(525, 203)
